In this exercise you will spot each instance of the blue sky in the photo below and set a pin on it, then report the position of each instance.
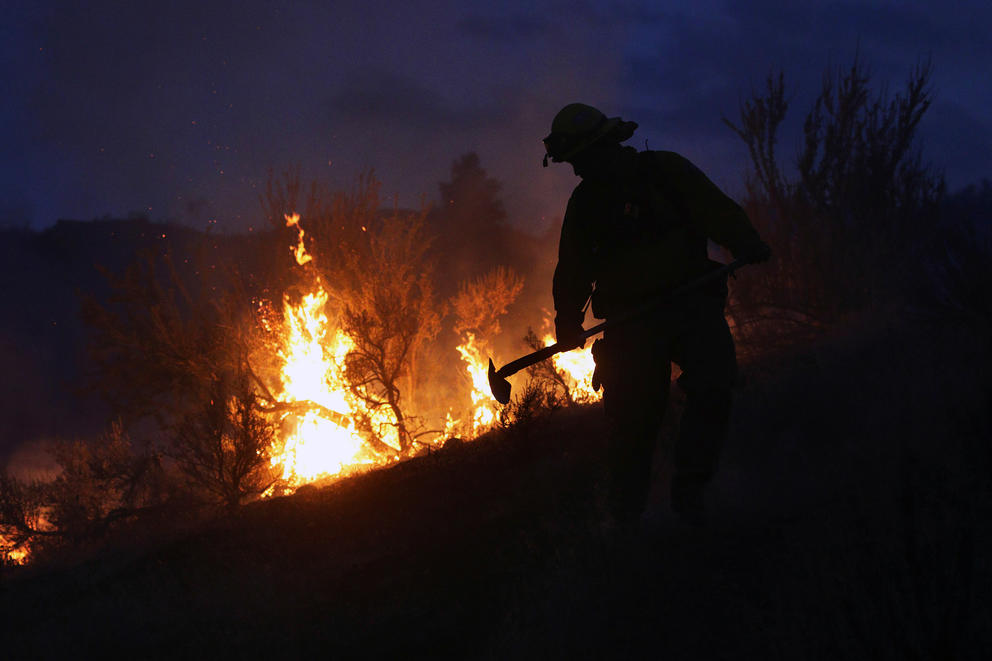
(180, 109)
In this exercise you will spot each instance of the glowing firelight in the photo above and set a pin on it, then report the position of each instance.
(477, 365)
(577, 367)
(317, 446)
(322, 440)
(12, 553)
(319, 436)
(293, 220)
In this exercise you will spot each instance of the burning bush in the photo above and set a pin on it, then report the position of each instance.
(478, 306)
(372, 273)
(567, 375)
(309, 352)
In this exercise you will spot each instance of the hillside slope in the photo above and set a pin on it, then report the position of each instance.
(850, 520)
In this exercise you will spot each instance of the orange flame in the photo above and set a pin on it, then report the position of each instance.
(576, 367)
(319, 436)
(299, 250)
(477, 364)
(322, 439)
(317, 446)
(13, 553)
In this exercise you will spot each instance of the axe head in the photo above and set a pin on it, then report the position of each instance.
(498, 385)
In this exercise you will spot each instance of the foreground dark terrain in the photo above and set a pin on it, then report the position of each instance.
(851, 519)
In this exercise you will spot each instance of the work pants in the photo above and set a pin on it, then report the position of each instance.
(634, 365)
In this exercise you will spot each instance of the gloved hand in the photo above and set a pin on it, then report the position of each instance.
(757, 252)
(568, 332)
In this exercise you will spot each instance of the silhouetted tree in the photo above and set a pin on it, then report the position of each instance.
(22, 522)
(99, 484)
(847, 230)
(156, 340)
(470, 222)
(390, 312)
(959, 290)
(180, 347)
(472, 193)
(222, 446)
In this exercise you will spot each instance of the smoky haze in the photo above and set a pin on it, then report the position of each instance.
(178, 110)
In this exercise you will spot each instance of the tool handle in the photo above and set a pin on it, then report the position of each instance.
(531, 359)
(557, 347)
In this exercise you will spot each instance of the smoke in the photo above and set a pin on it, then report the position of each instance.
(119, 107)
(155, 108)
(31, 460)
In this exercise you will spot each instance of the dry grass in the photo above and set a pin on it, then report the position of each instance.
(850, 520)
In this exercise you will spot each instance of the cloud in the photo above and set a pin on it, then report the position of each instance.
(380, 96)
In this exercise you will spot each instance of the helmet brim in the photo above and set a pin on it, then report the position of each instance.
(613, 125)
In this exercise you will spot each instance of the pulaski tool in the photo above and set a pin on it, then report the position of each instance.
(500, 387)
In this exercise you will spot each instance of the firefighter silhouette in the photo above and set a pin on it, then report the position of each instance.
(636, 226)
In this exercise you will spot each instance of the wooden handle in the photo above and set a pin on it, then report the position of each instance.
(547, 352)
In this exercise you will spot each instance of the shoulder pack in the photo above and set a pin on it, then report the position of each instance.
(653, 196)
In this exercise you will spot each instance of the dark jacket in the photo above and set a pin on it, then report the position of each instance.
(642, 232)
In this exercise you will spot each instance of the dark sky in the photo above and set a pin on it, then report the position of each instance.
(178, 109)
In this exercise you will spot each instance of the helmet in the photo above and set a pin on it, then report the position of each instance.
(577, 126)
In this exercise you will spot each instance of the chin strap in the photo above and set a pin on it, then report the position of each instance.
(546, 160)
